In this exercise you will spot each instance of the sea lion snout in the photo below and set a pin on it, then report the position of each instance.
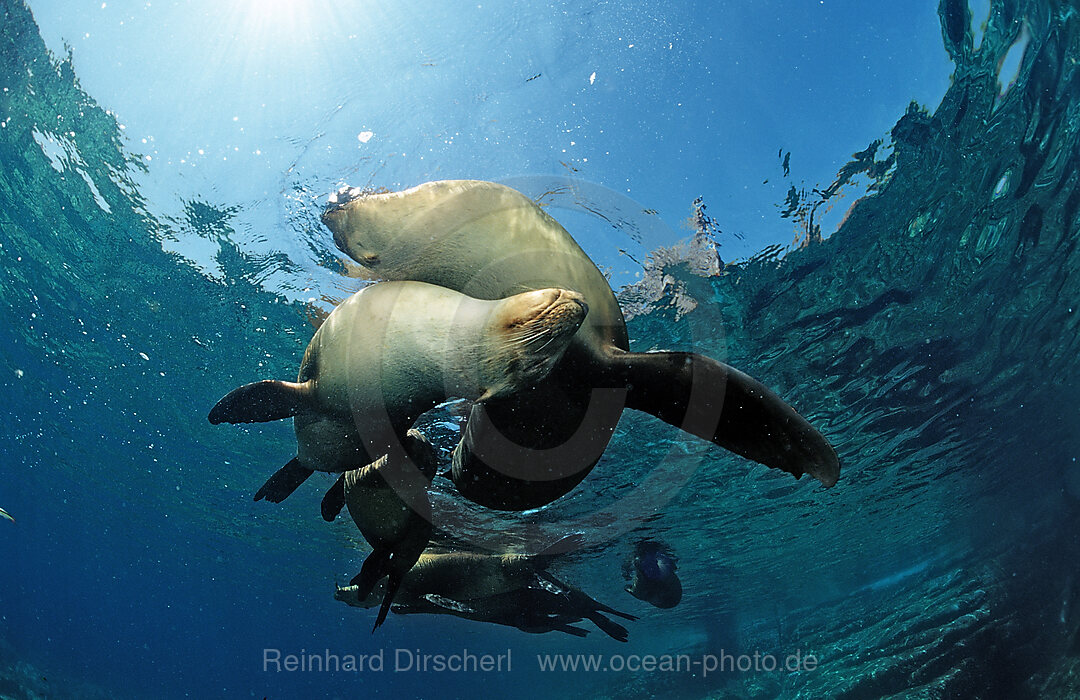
(551, 314)
(557, 307)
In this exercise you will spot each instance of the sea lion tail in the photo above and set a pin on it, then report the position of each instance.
(263, 401)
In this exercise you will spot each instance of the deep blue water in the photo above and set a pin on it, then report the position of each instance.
(932, 335)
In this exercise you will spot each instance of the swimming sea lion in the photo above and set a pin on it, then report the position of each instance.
(391, 352)
(535, 610)
(528, 449)
(506, 589)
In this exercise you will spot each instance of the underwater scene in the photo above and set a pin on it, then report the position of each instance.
(836, 240)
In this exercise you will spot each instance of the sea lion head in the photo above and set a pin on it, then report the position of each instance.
(355, 231)
(529, 332)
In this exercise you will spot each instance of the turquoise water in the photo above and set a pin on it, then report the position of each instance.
(932, 337)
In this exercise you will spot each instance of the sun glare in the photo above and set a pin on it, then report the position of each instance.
(268, 21)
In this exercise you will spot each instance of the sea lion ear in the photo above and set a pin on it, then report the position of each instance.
(261, 402)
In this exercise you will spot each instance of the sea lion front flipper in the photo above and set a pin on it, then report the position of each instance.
(284, 481)
(728, 407)
(260, 402)
(334, 500)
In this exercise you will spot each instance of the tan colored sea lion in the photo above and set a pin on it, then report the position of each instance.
(392, 351)
(387, 354)
(506, 589)
(525, 450)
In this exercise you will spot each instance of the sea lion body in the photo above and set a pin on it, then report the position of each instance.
(394, 350)
(465, 575)
(528, 449)
(506, 589)
(387, 354)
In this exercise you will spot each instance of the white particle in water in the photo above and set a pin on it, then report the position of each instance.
(144, 356)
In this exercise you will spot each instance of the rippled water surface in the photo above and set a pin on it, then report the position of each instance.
(925, 318)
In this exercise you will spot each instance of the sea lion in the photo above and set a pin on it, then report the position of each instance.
(525, 450)
(391, 352)
(387, 354)
(533, 610)
(651, 575)
(507, 589)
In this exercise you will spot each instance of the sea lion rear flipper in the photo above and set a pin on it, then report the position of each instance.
(576, 597)
(334, 500)
(263, 401)
(284, 481)
(733, 410)
(393, 582)
(611, 629)
(373, 569)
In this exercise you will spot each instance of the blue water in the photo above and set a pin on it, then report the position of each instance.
(925, 318)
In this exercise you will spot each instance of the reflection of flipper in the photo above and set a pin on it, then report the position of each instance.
(569, 543)
(263, 401)
(733, 410)
(284, 481)
(334, 500)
